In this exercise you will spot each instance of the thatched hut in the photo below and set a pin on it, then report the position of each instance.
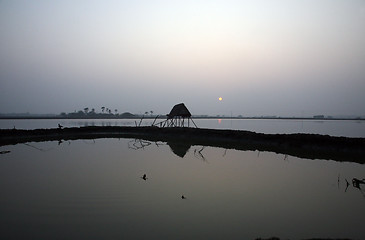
(179, 110)
(179, 116)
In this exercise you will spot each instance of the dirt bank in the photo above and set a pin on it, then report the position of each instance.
(311, 146)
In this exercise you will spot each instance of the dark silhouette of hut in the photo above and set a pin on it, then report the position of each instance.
(179, 148)
(179, 116)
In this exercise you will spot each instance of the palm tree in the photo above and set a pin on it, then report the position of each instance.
(116, 111)
(102, 109)
(86, 110)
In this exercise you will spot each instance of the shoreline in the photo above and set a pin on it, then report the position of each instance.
(309, 146)
(138, 117)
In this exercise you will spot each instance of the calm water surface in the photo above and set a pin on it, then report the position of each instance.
(89, 189)
(346, 128)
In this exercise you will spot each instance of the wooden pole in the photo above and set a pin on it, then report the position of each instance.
(155, 120)
(194, 123)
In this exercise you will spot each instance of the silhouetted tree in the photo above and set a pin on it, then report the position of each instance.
(86, 110)
(102, 109)
(116, 110)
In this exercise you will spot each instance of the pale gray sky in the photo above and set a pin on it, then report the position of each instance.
(283, 57)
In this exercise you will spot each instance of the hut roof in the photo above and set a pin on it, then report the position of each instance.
(179, 110)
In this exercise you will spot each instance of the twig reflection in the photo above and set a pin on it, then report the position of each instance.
(225, 152)
(39, 149)
(4, 152)
(138, 144)
(198, 154)
(356, 183)
(86, 142)
(347, 185)
(158, 144)
(338, 181)
(62, 141)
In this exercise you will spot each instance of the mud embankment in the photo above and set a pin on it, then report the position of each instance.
(311, 146)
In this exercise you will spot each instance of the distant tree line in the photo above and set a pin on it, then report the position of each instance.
(91, 113)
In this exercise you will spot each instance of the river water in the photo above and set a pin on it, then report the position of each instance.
(346, 128)
(93, 189)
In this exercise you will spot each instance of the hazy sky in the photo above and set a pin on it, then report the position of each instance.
(273, 57)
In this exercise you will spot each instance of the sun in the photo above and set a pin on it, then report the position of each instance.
(220, 98)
